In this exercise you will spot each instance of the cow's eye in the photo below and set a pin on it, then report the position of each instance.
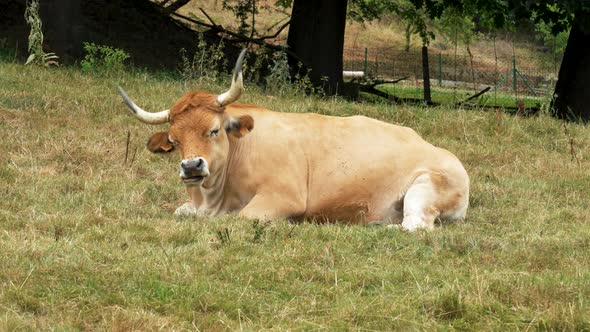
(214, 133)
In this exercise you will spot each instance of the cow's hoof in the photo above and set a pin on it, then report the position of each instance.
(412, 224)
(187, 209)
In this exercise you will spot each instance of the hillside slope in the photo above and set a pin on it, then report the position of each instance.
(386, 34)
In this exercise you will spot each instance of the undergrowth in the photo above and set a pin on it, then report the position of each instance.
(103, 58)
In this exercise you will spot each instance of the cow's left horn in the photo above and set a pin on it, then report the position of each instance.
(237, 84)
(147, 117)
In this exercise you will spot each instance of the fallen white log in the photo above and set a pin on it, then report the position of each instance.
(353, 74)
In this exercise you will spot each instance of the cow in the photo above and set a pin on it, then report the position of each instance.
(267, 165)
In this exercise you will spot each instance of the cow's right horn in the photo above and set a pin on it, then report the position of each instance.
(147, 117)
(237, 84)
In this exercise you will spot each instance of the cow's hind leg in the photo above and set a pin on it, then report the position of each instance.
(420, 204)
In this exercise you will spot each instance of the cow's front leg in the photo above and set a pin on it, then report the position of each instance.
(187, 209)
(190, 208)
(272, 206)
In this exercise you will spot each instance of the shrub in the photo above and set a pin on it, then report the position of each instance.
(103, 58)
(205, 64)
(36, 53)
(279, 80)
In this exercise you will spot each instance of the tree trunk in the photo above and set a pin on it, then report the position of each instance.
(61, 22)
(316, 36)
(426, 75)
(571, 99)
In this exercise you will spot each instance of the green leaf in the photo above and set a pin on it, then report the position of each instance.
(30, 59)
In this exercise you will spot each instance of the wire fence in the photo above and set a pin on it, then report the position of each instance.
(514, 79)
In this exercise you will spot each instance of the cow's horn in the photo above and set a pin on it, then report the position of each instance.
(147, 117)
(237, 84)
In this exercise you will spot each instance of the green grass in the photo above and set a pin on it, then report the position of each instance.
(450, 96)
(88, 242)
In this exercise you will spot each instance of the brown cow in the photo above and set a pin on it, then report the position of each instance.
(264, 164)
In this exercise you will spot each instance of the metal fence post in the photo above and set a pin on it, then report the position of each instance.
(440, 69)
(366, 60)
(514, 73)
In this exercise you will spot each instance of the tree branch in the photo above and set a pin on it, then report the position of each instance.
(220, 28)
(277, 32)
(206, 15)
(253, 19)
(175, 6)
(239, 37)
(379, 82)
(477, 94)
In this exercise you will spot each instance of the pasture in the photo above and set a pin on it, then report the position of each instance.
(88, 240)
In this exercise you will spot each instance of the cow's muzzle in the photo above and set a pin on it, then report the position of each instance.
(193, 171)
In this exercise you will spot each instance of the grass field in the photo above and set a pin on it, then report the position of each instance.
(89, 242)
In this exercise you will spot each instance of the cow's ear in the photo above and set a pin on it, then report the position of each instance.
(240, 127)
(159, 143)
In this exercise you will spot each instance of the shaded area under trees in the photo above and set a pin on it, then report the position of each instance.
(139, 27)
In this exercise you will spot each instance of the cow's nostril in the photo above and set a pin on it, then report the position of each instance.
(192, 166)
(186, 164)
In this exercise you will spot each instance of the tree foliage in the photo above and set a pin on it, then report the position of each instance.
(503, 13)
(554, 42)
(456, 26)
(244, 11)
(413, 18)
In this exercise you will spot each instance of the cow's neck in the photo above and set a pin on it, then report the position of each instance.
(212, 193)
(217, 194)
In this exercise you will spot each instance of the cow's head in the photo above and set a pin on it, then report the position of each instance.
(199, 127)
